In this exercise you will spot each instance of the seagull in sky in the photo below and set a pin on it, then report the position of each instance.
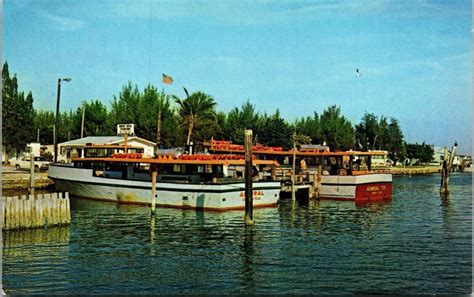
(358, 72)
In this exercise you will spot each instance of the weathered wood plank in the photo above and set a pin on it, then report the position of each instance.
(35, 211)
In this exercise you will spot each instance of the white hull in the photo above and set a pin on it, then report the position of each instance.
(357, 187)
(81, 182)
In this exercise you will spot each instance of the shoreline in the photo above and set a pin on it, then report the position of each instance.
(414, 170)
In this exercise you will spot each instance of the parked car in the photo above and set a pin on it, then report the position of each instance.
(40, 163)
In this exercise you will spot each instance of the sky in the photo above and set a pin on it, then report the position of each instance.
(414, 56)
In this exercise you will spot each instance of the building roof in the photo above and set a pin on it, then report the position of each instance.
(103, 140)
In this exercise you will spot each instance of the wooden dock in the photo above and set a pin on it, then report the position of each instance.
(21, 180)
(35, 211)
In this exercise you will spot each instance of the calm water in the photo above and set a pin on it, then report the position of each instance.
(415, 244)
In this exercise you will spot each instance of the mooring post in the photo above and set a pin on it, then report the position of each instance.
(154, 174)
(32, 174)
(446, 170)
(293, 170)
(248, 178)
(318, 181)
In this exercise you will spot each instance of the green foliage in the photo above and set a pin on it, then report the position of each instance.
(238, 120)
(125, 107)
(69, 123)
(44, 122)
(422, 153)
(367, 131)
(17, 114)
(372, 133)
(151, 104)
(196, 112)
(395, 144)
(310, 126)
(95, 119)
(194, 119)
(274, 131)
(142, 109)
(336, 129)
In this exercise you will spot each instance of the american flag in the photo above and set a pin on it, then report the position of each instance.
(167, 79)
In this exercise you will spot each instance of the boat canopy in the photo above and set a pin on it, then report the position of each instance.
(165, 160)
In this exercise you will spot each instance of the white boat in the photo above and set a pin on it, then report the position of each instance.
(215, 183)
(344, 175)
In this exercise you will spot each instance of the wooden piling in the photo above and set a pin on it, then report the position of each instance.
(293, 170)
(68, 208)
(154, 174)
(32, 174)
(30, 211)
(318, 182)
(446, 170)
(248, 178)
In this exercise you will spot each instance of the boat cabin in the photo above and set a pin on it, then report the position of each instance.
(176, 170)
(309, 159)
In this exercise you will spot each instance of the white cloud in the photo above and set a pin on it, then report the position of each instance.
(241, 12)
(271, 11)
(62, 23)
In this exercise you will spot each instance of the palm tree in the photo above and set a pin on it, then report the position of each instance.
(195, 110)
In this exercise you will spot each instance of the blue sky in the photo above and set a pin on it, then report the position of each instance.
(299, 56)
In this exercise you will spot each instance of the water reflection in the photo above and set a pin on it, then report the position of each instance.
(52, 235)
(247, 253)
(412, 245)
(152, 244)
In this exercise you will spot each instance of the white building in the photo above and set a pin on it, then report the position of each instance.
(438, 155)
(108, 144)
(35, 148)
(380, 160)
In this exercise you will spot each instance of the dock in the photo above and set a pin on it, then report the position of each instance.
(35, 211)
(20, 179)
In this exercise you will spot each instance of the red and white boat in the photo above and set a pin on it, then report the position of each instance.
(340, 175)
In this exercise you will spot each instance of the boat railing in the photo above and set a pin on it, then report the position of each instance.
(284, 173)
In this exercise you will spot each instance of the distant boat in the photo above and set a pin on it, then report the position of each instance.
(209, 182)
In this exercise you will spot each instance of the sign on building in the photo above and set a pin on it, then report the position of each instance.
(128, 129)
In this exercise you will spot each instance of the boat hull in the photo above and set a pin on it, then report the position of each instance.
(81, 182)
(359, 188)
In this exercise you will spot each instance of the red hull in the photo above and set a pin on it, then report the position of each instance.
(373, 192)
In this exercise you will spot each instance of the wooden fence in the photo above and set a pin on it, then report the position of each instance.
(35, 211)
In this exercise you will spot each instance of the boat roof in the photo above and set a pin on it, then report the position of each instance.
(174, 161)
(307, 154)
(110, 146)
(104, 140)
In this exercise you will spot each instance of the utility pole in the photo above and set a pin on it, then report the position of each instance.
(56, 124)
(158, 126)
(83, 116)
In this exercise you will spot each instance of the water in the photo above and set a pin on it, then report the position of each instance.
(415, 244)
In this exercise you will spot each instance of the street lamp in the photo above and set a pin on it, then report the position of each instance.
(56, 124)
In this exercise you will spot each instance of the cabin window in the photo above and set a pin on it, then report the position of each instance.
(200, 169)
(141, 168)
(176, 168)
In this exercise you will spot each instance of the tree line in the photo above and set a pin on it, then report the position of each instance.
(174, 121)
